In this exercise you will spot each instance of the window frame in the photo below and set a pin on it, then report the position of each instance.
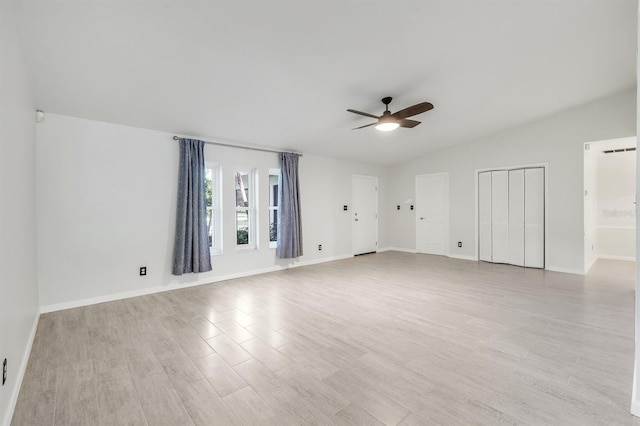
(252, 210)
(278, 173)
(216, 247)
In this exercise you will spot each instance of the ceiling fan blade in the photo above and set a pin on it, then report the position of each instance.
(366, 114)
(413, 110)
(362, 127)
(408, 123)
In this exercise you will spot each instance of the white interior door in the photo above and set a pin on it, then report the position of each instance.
(516, 217)
(484, 216)
(365, 214)
(432, 213)
(534, 218)
(500, 216)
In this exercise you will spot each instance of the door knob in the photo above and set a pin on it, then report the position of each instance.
(422, 218)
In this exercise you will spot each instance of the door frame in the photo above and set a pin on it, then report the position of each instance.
(447, 250)
(545, 167)
(353, 231)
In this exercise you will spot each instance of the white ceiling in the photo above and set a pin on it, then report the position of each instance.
(283, 73)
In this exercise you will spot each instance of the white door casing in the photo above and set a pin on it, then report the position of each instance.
(364, 214)
(432, 213)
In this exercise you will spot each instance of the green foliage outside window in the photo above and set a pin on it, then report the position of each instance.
(242, 237)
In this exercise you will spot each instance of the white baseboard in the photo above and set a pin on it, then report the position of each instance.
(159, 289)
(462, 257)
(609, 257)
(565, 270)
(405, 250)
(635, 408)
(15, 392)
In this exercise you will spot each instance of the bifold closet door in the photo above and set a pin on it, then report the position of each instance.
(500, 216)
(534, 218)
(484, 216)
(516, 217)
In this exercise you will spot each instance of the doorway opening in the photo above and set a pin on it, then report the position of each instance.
(609, 200)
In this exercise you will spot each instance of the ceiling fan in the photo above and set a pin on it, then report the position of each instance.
(387, 121)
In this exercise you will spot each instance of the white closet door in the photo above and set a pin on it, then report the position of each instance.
(534, 218)
(484, 216)
(500, 216)
(516, 217)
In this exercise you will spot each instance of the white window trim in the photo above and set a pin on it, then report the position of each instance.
(252, 211)
(216, 206)
(274, 172)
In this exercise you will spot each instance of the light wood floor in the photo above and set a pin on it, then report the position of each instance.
(390, 338)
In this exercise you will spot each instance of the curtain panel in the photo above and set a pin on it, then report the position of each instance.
(289, 244)
(191, 249)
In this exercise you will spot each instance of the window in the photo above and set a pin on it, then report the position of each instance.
(274, 182)
(245, 184)
(214, 203)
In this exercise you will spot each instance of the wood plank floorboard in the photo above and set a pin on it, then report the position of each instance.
(389, 338)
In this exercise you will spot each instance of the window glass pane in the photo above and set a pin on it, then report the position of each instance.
(242, 189)
(273, 206)
(210, 227)
(273, 225)
(273, 190)
(209, 203)
(242, 227)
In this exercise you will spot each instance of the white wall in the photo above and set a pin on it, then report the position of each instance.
(557, 140)
(18, 279)
(107, 201)
(616, 209)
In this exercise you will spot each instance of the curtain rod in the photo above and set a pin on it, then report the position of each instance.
(253, 148)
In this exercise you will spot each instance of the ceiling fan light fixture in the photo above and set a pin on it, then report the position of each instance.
(388, 121)
(387, 126)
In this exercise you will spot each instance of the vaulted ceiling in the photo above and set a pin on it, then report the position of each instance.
(283, 73)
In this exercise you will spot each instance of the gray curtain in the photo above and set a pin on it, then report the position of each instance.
(191, 250)
(290, 233)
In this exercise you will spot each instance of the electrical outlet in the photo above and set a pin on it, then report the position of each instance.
(143, 271)
(345, 208)
(398, 207)
(411, 207)
(459, 243)
(4, 371)
(319, 247)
